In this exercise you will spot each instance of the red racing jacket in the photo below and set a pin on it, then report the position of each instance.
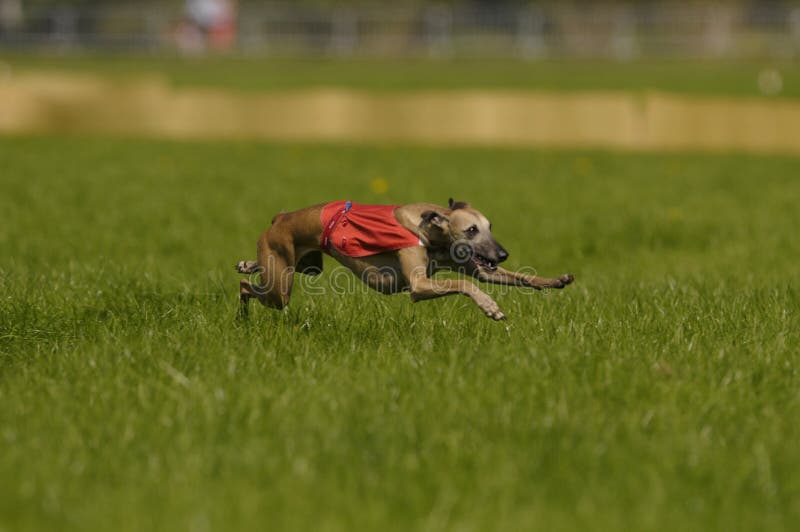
(358, 230)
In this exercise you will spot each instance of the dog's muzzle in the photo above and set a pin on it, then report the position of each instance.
(489, 263)
(484, 262)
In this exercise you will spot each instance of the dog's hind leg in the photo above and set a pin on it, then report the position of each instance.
(246, 290)
(245, 293)
(276, 271)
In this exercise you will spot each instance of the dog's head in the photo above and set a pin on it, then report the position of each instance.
(466, 232)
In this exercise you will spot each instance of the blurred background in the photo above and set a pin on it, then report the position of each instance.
(532, 30)
(527, 73)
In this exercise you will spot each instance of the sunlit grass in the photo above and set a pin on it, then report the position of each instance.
(658, 392)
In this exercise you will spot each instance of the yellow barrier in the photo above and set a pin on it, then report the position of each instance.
(623, 120)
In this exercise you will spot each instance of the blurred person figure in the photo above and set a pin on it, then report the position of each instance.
(216, 19)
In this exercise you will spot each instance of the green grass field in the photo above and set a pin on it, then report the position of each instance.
(659, 392)
(263, 74)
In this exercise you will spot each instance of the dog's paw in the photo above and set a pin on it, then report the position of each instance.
(492, 310)
(497, 315)
(247, 266)
(562, 281)
(488, 306)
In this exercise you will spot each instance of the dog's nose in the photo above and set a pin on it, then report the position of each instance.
(502, 255)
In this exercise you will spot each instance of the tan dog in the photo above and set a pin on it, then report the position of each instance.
(457, 238)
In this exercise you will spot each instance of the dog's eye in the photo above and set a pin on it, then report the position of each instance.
(472, 230)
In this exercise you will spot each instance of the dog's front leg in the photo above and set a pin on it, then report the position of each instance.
(423, 288)
(506, 277)
(415, 269)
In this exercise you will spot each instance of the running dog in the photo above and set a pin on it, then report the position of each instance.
(391, 248)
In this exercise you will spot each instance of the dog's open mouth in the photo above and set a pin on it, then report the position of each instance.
(484, 262)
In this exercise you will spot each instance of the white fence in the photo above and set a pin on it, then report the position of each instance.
(591, 30)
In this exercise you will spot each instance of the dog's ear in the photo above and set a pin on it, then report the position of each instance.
(457, 204)
(435, 226)
(433, 217)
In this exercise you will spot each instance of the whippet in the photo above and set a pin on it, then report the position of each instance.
(400, 253)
